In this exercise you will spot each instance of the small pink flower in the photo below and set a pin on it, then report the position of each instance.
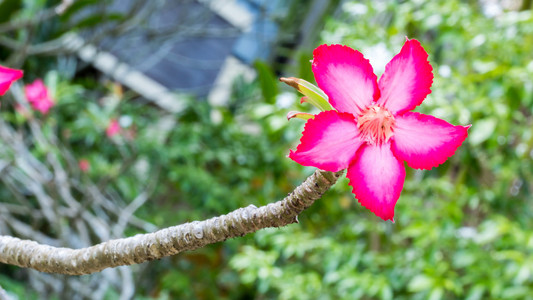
(7, 77)
(38, 96)
(84, 165)
(372, 130)
(113, 128)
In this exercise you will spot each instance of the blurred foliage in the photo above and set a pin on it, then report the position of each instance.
(203, 167)
(462, 231)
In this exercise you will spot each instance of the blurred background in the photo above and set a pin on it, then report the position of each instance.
(163, 112)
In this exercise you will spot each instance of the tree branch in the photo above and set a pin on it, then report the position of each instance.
(36, 20)
(169, 241)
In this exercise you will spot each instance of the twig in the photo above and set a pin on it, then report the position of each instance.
(40, 18)
(169, 241)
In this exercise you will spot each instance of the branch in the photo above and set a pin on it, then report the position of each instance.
(169, 241)
(36, 20)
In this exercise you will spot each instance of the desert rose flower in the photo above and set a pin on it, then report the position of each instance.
(370, 129)
(39, 96)
(84, 165)
(113, 128)
(7, 77)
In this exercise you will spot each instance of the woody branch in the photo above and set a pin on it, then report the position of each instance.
(169, 241)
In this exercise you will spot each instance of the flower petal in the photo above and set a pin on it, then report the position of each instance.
(424, 141)
(7, 76)
(407, 79)
(39, 97)
(43, 105)
(377, 179)
(113, 128)
(346, 77)
(329, 142)
(36, 91)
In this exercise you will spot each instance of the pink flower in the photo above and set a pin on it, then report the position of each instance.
(84, 165)
(7, 77)
(113, 128)
(38, 96)
(372, 130)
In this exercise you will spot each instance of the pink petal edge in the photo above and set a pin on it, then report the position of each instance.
(407, 79)
(377, 178)
(424, 141)
(346, 77)
(43, 105)
(7, 77)
(329, 142)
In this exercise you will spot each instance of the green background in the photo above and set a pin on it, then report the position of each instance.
(462, 231)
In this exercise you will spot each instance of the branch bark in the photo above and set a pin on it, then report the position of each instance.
(169, 241)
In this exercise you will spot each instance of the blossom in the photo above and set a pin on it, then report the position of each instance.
(7, 77)
(39, 96)
(371, 131)
(84, 165)
(113, 128)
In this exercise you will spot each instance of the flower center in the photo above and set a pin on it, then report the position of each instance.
(375, 125)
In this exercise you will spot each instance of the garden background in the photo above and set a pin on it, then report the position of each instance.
(463, 230)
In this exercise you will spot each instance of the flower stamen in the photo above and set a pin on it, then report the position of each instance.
(376, 125)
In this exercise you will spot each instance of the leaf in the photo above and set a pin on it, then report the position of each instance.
(386, 293)
(420, 283)
(476, 293)
(481, 131)
(436, 294)
(77, 6)
(299, 115)
(8, 8)
(267, 81)
(312, 94)
(95, 20)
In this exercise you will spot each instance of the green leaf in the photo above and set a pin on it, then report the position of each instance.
(8, 8)
(299, 115)
(95, 20)
(267, 81)
(476, 293)
(313, 94)
(481, 131)
(77, 6)
(436, 294)
(420, 283)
